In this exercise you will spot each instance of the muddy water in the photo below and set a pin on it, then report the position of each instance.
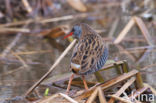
(37, 54)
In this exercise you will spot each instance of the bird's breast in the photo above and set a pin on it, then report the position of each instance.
(75, 67)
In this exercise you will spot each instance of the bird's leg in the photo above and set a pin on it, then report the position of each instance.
(69, 83)
(84, 82)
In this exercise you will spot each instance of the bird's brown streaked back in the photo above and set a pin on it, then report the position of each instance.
(90, 53)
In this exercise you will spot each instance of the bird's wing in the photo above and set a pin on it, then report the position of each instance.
(87, 54)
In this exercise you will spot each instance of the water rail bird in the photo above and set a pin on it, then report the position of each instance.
(89, 54)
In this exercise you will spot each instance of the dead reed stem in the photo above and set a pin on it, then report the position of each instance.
(123, 88)
(68, 98)
(51, 69)
(27, 6)
(124, 31)
(121, 99)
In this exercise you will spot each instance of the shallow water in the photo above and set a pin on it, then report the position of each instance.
(15, 79)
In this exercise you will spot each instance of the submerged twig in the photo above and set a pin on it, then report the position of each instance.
(52, 68)
(11, 45)
(13, 71)
(20, 59)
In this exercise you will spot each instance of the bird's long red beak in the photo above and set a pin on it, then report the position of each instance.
(70, 34)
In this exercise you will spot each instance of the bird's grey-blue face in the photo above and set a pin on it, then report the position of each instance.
(77, 31)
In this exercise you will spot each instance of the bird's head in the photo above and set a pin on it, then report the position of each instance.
(76, 32)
